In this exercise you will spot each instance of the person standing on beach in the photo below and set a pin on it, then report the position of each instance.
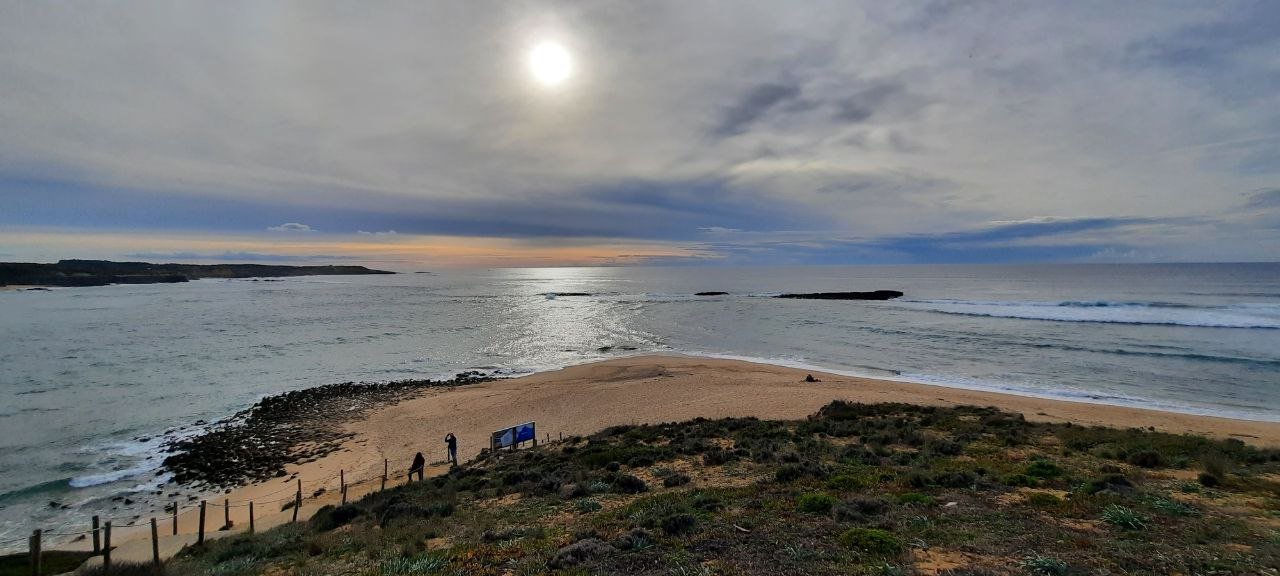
(419, 465)
(452, 442)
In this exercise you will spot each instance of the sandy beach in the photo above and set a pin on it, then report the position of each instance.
(635, 390)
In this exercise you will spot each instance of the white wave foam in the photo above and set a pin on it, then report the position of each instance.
(113, 476)
(1157, 313)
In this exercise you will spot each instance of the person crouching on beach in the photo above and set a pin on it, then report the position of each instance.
(419, 465)
(452, 442)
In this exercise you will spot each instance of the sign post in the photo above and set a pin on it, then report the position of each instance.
(512, 437)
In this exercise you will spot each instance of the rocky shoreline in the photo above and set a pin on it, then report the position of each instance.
(295, 427)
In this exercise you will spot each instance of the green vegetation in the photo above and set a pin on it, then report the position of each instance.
(855, 489)
(52, 562)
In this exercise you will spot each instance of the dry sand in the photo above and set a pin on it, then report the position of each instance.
(642, 389)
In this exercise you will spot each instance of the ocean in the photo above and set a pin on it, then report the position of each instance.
(93, 380)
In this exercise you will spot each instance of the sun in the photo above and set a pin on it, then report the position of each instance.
(550, 64)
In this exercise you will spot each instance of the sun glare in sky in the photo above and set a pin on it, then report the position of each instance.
(550, 63)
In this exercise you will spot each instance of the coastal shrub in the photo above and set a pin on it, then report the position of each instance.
(706, 502)
(815, 503)
(676, 479)
(1208, 480)
(580, 552)
(792, 472)
(678, 523)
(718, 456)
(859, 509)
(955, 479)
(1118, 515)
(1044, 565)
(1043, 500)
(1043, 469)
(613, 466)
(945, 448)
(587, 505)
(1020, 480)
(1170, 507)
(1214, 464)
(1146, 459)
(329, 517)
(1114, 483)
(635, 539)
(846, 482)
(874, 541)
(915, 499)
(628, 484)
(425, 564)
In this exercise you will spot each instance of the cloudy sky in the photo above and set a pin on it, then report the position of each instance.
(686, 132)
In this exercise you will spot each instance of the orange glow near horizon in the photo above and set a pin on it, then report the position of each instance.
(401, 249)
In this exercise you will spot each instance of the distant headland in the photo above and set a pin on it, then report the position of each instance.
(104, 272)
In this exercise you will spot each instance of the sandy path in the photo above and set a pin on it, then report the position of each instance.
(643, 389)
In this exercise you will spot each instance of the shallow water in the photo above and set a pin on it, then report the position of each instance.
(92, 377)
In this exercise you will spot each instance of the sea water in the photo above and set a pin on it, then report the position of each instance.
(92, 378)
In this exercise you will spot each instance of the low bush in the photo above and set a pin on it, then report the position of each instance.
(872, 541)
(815, 503)
(1043, 500)
(1044, 565)
(846, 482)
(628, 484)
(679, 523)
(718, 456)
(676, 479)
(1118, 515)
(1146, 459)
(859, 509)
(1043, 469)
(916, 499)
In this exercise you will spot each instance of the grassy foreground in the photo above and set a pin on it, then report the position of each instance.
(855, 489)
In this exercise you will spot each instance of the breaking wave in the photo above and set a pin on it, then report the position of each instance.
(1264, 316)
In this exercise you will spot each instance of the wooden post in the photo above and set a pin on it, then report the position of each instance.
(200, 531)
(226, 513)
(175, 518)
(35, 552)
(97, 539)
(297, 500)
(155, 544)
(106, 545)
(251, 516)
(384, 475)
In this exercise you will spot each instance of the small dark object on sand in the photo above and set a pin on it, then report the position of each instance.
(810, 378)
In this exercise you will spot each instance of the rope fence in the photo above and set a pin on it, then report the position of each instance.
(101, 532)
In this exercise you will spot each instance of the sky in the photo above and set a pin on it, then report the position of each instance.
(421, 134)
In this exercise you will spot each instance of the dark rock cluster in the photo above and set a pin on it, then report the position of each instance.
(290, 428)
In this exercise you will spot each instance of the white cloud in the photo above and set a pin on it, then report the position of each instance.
(385, 233)
(291, 227)
(895, 117)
